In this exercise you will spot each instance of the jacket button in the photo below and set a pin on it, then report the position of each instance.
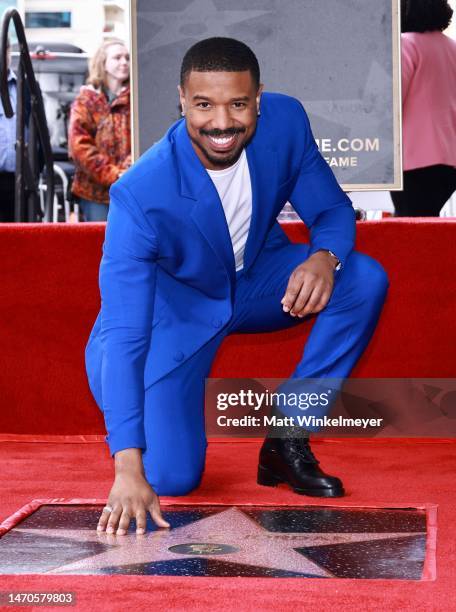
(217, 323)
(179, 356)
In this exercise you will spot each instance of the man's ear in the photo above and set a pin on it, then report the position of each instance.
(258, 97)
(181, 99)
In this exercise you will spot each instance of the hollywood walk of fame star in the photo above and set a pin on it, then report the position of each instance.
(253, 546)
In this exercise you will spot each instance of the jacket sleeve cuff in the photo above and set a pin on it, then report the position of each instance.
(128, 437)
(340, 252)
(334, 230)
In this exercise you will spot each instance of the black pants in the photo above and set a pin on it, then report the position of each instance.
(426, 191)
(6, 197)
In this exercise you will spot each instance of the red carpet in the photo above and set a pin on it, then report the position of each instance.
(375, 472)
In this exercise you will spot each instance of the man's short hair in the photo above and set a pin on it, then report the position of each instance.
(220, 55)
(425, 15)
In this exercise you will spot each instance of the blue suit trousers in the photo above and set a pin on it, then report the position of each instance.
(174, 420)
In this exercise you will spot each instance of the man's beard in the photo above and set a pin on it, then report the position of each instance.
(223, 162)
(229, 159)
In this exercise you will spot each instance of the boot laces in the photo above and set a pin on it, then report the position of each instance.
(301, 448)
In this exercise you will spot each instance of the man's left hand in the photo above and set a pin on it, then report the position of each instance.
(310, 285)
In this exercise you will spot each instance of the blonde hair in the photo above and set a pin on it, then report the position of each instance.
(97, 72)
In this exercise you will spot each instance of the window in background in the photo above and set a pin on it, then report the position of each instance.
(48, 20)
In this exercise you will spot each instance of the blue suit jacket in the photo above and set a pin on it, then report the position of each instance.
(167, 273)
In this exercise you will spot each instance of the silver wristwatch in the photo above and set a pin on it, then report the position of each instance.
(339, 263)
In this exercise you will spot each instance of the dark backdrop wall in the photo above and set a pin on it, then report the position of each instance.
(339, 57)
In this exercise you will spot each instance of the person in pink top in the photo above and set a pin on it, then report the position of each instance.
(428, 109)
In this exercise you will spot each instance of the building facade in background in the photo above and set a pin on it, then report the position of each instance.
(84, 23)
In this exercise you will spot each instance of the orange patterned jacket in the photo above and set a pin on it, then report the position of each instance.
(99, 141)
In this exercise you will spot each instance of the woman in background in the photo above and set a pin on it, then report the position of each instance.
(428, 109)
(99, 130)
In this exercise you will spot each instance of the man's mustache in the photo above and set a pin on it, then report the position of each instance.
(219, 133)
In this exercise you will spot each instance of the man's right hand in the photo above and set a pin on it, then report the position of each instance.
(131, 496)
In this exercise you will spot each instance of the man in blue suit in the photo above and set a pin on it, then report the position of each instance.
(193, 253)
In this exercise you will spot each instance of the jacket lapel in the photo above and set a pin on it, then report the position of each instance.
(207, 212)
(263, 168)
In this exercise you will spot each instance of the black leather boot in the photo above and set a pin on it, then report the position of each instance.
(289, 459)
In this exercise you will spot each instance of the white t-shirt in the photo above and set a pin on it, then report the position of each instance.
(235, 191)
